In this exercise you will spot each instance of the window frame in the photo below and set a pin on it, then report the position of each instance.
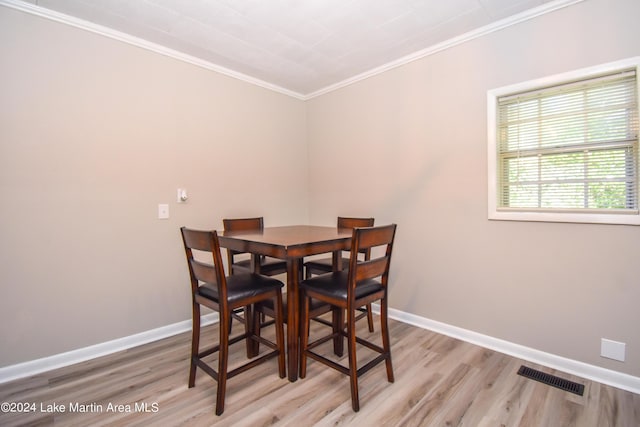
(552, 215)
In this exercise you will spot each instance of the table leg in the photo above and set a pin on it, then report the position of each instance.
(293, 318)
(336, 258)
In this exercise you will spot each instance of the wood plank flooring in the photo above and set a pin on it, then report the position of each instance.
(439, 381)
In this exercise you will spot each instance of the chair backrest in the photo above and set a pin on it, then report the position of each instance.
(199, 270)
(378, 266)
(346, 222)
(240, 224)
(350, 223)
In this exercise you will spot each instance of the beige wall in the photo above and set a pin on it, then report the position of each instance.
(413, 144)
(94, 133)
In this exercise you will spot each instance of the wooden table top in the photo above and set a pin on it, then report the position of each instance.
(288, 241)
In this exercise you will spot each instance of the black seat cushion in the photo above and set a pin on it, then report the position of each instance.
(240, 286)
(335, 285)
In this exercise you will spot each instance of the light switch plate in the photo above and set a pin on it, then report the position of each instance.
(163, 211)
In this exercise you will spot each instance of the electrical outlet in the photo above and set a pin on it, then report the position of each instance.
(612, 349)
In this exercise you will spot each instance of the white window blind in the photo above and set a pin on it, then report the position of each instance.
(571, 147)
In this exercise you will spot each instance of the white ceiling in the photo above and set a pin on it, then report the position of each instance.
(302, 47)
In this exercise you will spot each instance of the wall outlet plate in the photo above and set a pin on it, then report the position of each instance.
(612, 349)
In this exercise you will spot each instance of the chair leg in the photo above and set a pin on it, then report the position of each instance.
(353, 363)
(304, 336)
(257, 323)
(369, 317)
(386, 344)
(337, 317)
(258, 319)
(282, 370)
(195, 343)
(249, 323)
(223, 356)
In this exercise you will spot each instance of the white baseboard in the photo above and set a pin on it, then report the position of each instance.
(574, 367)
(32, 367)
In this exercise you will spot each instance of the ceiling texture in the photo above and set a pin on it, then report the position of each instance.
(299, 47)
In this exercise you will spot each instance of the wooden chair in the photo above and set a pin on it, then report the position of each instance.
(268, 266)
(238, 262)
(211, 288)
(364, 283)
(325, 265)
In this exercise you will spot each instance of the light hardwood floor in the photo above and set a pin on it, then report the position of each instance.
(439, 381)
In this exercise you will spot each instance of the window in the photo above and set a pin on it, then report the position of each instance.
(565, 148)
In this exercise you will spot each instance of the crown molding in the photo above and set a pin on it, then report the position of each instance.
(135, 41)
(447, 44)
(138, 42)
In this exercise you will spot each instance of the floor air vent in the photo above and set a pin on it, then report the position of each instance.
(552, 380)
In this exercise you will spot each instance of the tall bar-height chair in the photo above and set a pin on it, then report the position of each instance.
(325, 265)
(211, 288)
(364, 283)
(239, 262)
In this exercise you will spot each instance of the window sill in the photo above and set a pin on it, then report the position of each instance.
(631, 218)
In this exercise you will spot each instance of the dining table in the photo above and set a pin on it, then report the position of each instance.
(291, 243)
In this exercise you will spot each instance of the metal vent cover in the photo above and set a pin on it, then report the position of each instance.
(551, 380)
